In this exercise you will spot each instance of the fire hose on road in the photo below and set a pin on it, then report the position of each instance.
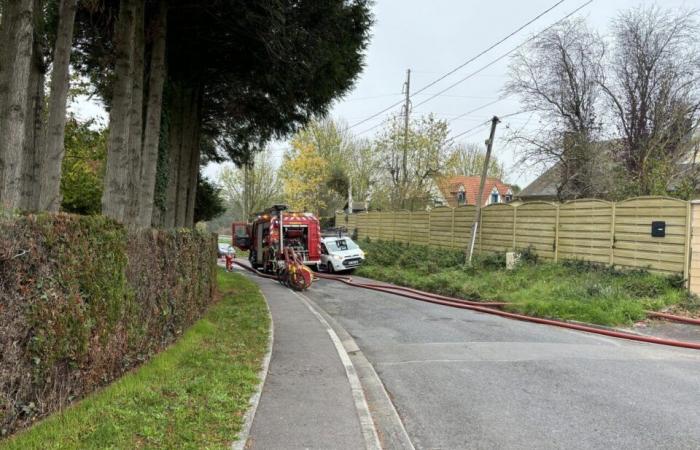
(492, 308)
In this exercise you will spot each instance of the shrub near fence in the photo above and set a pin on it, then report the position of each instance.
(82, 300)
(592, 230)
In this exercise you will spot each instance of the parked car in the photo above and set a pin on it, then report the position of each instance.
(339, 254)
(224, 249)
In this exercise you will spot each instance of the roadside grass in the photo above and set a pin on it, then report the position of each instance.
(572, 290)
(192, 395)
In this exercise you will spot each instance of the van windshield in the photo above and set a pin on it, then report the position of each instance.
(340, 245)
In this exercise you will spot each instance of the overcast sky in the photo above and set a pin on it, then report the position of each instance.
(431, 37)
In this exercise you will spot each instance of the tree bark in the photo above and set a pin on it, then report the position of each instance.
(186, 150)
(194, 167)
(174, 147)
(115, 194)
(14, 112)
(136, 116)
(151, 139)
(50, 171)
(33, 139)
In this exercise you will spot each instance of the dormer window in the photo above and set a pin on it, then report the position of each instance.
(461, 195)
(509, 196)
(494, 196)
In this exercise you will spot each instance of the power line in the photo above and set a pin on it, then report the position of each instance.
(503, 55)
(475, 110)
(482, 124)
(432, 83)
(437, 80)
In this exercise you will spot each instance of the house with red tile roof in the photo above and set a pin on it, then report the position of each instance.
(463, 190)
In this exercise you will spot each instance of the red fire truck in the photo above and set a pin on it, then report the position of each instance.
(300, 232)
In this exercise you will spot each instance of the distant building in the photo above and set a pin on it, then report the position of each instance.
(543, 188)
(462, 190)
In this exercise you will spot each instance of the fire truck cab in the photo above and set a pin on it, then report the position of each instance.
(261, 237)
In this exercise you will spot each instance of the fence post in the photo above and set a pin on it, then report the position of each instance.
(430, 215)
(556, 235)
(515, 222)
(612, 235)
(481, 227)
(379, 226)
(410, 226)
(452, 242)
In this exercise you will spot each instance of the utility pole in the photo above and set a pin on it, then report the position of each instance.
(484, 171)
(406, 112)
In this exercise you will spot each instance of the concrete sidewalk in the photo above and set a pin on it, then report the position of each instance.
(306, 401)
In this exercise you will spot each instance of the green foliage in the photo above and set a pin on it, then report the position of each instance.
(83, 166)
(572, 290)
(208, 202)
(84, 300)
(192, 395)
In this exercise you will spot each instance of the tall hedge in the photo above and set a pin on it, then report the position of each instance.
(82, 300)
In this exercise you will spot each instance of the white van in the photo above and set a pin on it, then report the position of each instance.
(340, 253)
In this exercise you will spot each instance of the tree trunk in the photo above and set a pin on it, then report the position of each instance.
(194, 167)
(33, 138)
(50, 172)
(115, 194)
(5, 55)
(13, 115)
(151, 139)
(136, 116)
(174, 146)
(186, 150)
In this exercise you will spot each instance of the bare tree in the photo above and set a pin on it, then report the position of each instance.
(654, 93)
(250, 188)
(427, 154)
(557, 77)
(468, 160)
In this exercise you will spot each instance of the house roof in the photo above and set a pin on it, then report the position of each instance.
(450, 186)
(544, 186)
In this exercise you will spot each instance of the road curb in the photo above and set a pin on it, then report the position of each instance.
(241, 442)
(369, 429)
(387, 422)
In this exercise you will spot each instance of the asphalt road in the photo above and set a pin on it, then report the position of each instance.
(461, 379)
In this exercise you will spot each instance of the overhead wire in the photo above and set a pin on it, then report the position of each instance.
(470, 60)
(482, 68)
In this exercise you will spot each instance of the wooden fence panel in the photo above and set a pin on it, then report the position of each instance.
(441, 227)
(592, 230)
(535, 227)
(373, 225)
(401, 226)
(419, 227)
(464, 218)
(633, 244)
(352, 223)
(585, 230)
(497, 228)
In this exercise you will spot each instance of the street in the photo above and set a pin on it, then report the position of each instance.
(460, 379)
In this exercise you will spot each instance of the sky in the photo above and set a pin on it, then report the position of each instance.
(432, 37)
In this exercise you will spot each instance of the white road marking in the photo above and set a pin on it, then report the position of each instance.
(369, 432)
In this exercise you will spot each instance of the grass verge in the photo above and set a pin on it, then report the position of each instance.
(192, 395)
(572, 290)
